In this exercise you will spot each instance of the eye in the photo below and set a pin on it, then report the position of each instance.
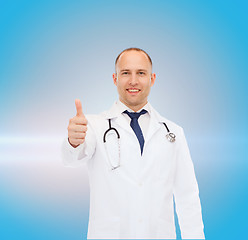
(141, 73)
(124, 73)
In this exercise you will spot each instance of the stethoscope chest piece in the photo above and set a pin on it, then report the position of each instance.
(171, 137)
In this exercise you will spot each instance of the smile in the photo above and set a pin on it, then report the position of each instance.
(133, 90)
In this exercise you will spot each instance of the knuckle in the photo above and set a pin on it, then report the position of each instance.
(70, 128)
(79, 135)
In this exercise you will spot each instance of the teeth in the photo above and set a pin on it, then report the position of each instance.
(133, 90)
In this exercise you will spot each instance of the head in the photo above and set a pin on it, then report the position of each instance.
(133, 77)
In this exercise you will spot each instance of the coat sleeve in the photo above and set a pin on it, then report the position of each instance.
(186, 194)
(76, 156)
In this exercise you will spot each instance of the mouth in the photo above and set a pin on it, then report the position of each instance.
(133, 90)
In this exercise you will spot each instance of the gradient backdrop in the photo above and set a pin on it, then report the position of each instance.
(52, 52)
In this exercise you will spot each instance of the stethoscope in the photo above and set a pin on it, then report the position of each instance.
(170, 136)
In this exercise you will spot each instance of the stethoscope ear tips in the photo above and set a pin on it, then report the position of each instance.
(171, 137)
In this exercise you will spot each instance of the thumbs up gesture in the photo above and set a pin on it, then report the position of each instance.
(77, 126)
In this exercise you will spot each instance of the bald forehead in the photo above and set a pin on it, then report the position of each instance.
(133, 59)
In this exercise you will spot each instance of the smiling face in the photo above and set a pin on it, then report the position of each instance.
(134, 79)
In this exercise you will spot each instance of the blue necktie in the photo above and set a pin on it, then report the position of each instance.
(135, 126)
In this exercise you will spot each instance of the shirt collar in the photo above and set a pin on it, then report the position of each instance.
(118, 108)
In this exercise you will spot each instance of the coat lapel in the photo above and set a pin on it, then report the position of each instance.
(115, 115)
(122, 123)
(154, 125)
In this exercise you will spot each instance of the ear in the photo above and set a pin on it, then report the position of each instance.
(115, 78)
(153, 77)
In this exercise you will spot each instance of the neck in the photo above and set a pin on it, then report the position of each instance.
(135, 108)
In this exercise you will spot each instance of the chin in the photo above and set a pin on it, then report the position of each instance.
(132, 103)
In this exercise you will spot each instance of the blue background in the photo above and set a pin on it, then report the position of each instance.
(52, 52)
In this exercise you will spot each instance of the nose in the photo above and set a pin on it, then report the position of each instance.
(133, 80)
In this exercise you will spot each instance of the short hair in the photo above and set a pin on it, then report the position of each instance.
(135, 49)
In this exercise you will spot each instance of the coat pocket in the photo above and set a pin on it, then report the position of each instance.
(166, 229)
(104, 228)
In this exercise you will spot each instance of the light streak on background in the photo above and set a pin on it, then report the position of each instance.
(52, 52)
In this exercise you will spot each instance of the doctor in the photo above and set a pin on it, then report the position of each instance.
(136, 171)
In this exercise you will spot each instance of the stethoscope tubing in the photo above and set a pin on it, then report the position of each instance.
(110, 128)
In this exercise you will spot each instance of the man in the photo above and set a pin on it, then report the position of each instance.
(136, 168)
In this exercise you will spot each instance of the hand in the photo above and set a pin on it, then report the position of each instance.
(77, 126)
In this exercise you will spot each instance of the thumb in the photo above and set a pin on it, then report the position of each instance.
(79, 107)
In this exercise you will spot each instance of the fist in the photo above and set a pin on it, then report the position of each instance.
(77, 126)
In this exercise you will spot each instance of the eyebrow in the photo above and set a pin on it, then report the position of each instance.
(127, 70)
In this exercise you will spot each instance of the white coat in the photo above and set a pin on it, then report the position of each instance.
(135, 201)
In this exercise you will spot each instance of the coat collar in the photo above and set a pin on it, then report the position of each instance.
(118, 108)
